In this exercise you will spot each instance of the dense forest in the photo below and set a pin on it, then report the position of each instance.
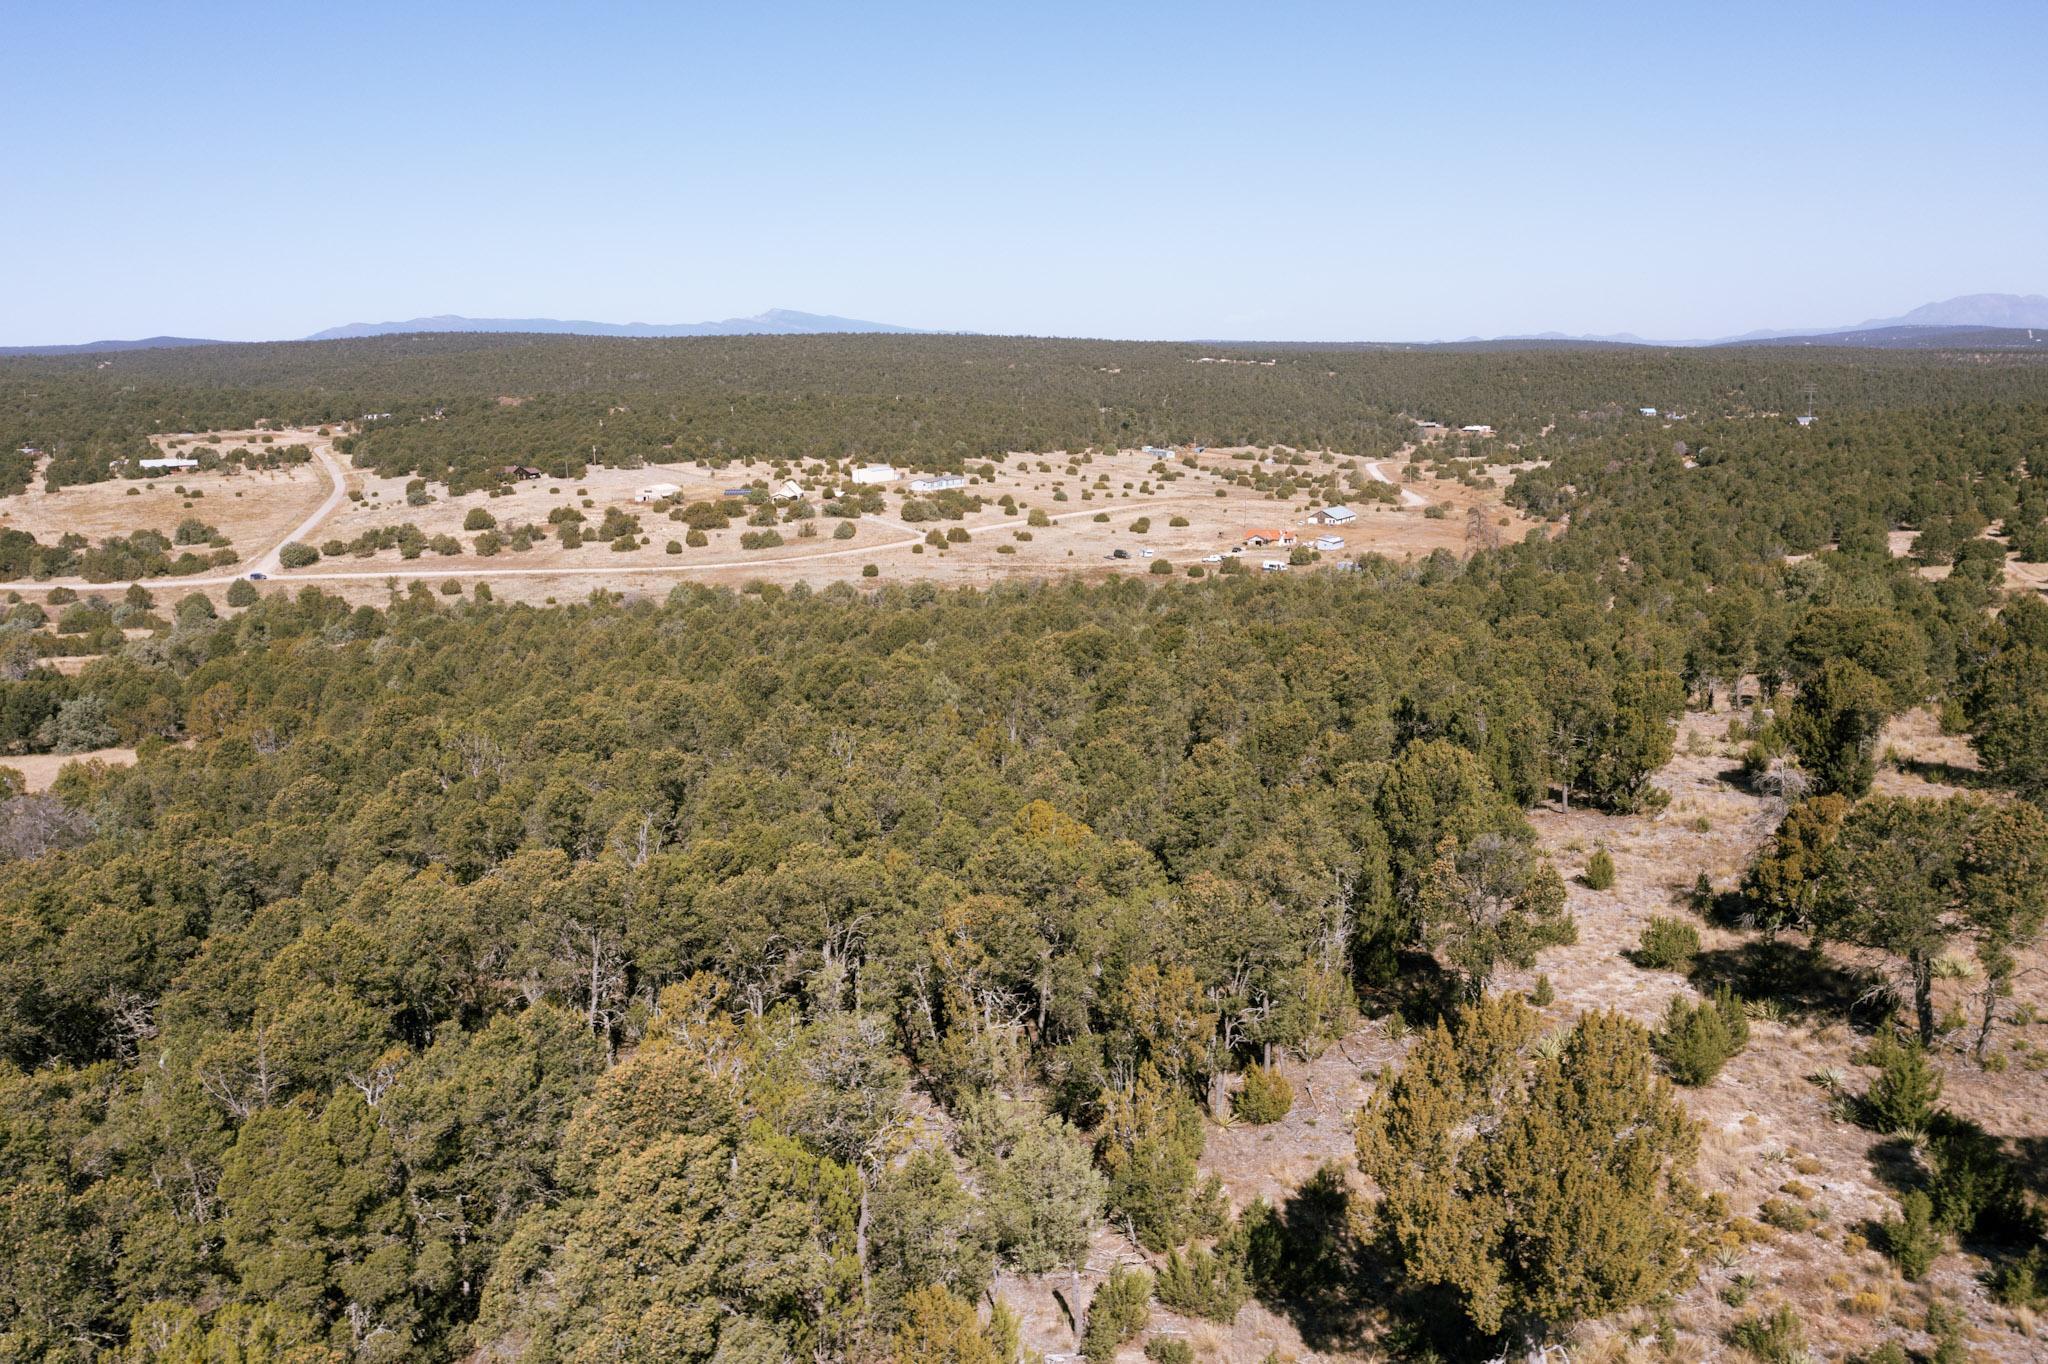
(745, 976)
(459, 408)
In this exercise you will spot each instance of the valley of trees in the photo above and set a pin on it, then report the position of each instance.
(748, 976)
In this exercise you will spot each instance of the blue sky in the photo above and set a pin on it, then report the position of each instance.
(1258, 170)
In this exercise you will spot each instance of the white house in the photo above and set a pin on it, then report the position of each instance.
(938, 484)
(875, 473)
(1327, 543)
(1477, 429)
(1332, 516)
(789, 490)
(654, 492)
(1647, 411)
(1805, 421)
(168, 463)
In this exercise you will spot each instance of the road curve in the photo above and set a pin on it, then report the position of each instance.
(268, 562)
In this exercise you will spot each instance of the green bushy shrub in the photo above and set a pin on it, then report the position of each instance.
(1910, 1238)
(1903, 1096)
(1203, 1283)
(1121, 1307)
(1600, 870)
(1267, 1096)
(1667, 945)
(1697, 1039)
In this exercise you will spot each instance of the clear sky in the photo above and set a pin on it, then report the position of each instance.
(1252, 169)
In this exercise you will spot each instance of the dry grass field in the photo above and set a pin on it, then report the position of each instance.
(1093, 503)
(254, 509)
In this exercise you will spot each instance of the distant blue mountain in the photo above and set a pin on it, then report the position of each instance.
(90, 347)
(774, 322)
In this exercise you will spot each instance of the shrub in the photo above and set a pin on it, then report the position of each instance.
(479, 519)
(1161, 567)
(1907, 1088)
(242, 592)
(1202, 1283)
(1543, 994)
(1168, 1350)
(1776, 1339)
(1141, 526)
(674, 547)
(1974, 1185)
(1037, 517)
(760, 539)
(696, 539)
(957, 535)
(296, 555)
(2023, 1282)
(1600, 873)
(1697, 1039)
(1177, 522)
(1667, 944)
(843, 531)
(1910, 1238)
(489, 543)
(1121, 1307)
(1265, 1097)
(870, 571)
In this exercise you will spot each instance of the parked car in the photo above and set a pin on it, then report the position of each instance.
(1144, 554)
(1212, 558)
(1274, 565)
(258, 577)
(1119, 554)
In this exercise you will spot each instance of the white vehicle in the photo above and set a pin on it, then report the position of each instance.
(1144, 554)
(1212, 558)
(1274, 565)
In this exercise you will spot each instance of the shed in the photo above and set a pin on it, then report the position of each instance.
(1326, 543)
(875, 473)
(789, 490)
(655, 492)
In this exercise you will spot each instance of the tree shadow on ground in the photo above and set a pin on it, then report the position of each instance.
(1943, 773)
(1420, 991)
(1800, 980)
(1313, 1264)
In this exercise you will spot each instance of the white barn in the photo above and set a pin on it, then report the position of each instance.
(875, 473)
(1333, 516)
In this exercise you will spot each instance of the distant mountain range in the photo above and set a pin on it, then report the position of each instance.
(1950, 319)
(774, 322)
(1970, 322)
(94, 347)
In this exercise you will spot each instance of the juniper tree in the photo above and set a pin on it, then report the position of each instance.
(1534, 1191)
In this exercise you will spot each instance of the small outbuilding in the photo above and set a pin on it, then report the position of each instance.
(1260, 538)
(1328, 543)
(655, 492)
(789, 490)
(871, 474)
